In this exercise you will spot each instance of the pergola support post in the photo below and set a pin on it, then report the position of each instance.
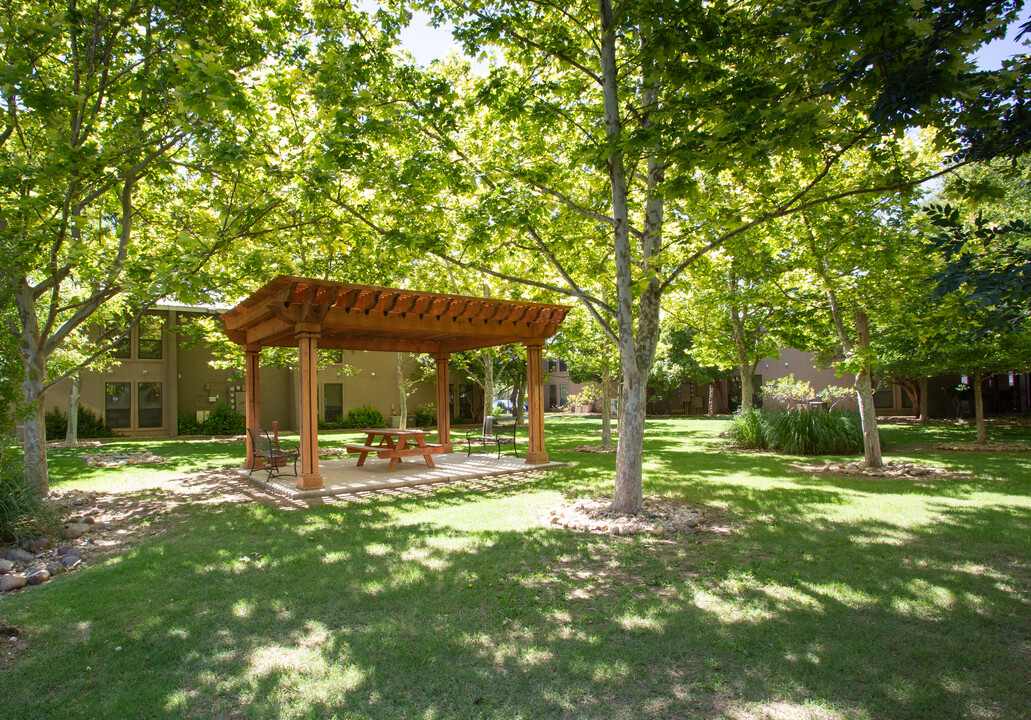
(536, 455)
(308, 477)
(443, 402)
(252, 407)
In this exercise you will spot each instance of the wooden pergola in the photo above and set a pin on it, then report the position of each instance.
(309, 314)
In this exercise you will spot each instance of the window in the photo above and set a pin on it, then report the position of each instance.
(562, 366)
(150, 410)
(148, 346)
(122, 349)
(552, 396)
(563, 394)
(884, 398)
(118, 404)
(551, 365)
(907, 401)
(333, 397)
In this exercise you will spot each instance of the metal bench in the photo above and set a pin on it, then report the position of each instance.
(493, 434)
(269, 451)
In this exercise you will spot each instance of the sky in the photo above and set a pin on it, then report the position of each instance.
(428, 43)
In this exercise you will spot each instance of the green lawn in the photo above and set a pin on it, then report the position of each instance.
(828, 598)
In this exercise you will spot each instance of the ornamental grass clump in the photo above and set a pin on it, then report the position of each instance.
(799, 431)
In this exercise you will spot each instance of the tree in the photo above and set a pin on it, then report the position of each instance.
(982, 289)
(591, 358)
(644, 101)
(132, 149)
(732, 303)
(677, 362)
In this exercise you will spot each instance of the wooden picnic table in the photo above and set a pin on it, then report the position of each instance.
(392, 444)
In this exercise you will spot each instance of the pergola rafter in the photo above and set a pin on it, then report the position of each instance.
(309, 314)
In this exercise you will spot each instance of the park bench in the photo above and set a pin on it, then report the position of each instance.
(268, 450)
(495, 432)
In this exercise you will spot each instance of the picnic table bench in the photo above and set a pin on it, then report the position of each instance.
(393, 445)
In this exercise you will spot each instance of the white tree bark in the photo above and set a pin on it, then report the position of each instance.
(71, 434)
(488, 383)
(606, 407)
(402, 392)
(636, 344)
(864, 388)
(33, 393)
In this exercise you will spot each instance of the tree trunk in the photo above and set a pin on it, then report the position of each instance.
(982, 435)
(741, 348)
(868, 415)
(747, 386)
(864, 385)
(606, 407)
(628, 497)
(34, 434)
(520, 396)
(712, 398)
(922, 384)
(33, 393)
(71, 434)
(402, 392)
(488, 384)
(912, 389)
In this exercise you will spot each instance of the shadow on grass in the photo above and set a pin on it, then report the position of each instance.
(340, 611)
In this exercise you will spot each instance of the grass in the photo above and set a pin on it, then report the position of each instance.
(831, 597)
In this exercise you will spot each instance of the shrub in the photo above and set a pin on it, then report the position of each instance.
(223, 421)
(365, 416)
(188, 425)
(426, 415)
(56, 424)
(91, 425)
(802, 431)
(747, 429)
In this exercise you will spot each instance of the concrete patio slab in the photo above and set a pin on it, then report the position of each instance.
(342, 476)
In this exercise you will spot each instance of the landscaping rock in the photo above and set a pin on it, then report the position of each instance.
(70, 561)
(65, 549)
(19, 555)
(6, 566)
(39, 545)
(74, 530)
(37, 576)
(108, 460)
(55, 568)
(661, 517)
(11, 582)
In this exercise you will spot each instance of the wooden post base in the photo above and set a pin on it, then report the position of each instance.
(309, 482)
(536, 458)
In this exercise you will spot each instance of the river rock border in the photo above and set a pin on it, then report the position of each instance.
(660, 517)
(111, 460)
(891, 469)
(34, 561)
